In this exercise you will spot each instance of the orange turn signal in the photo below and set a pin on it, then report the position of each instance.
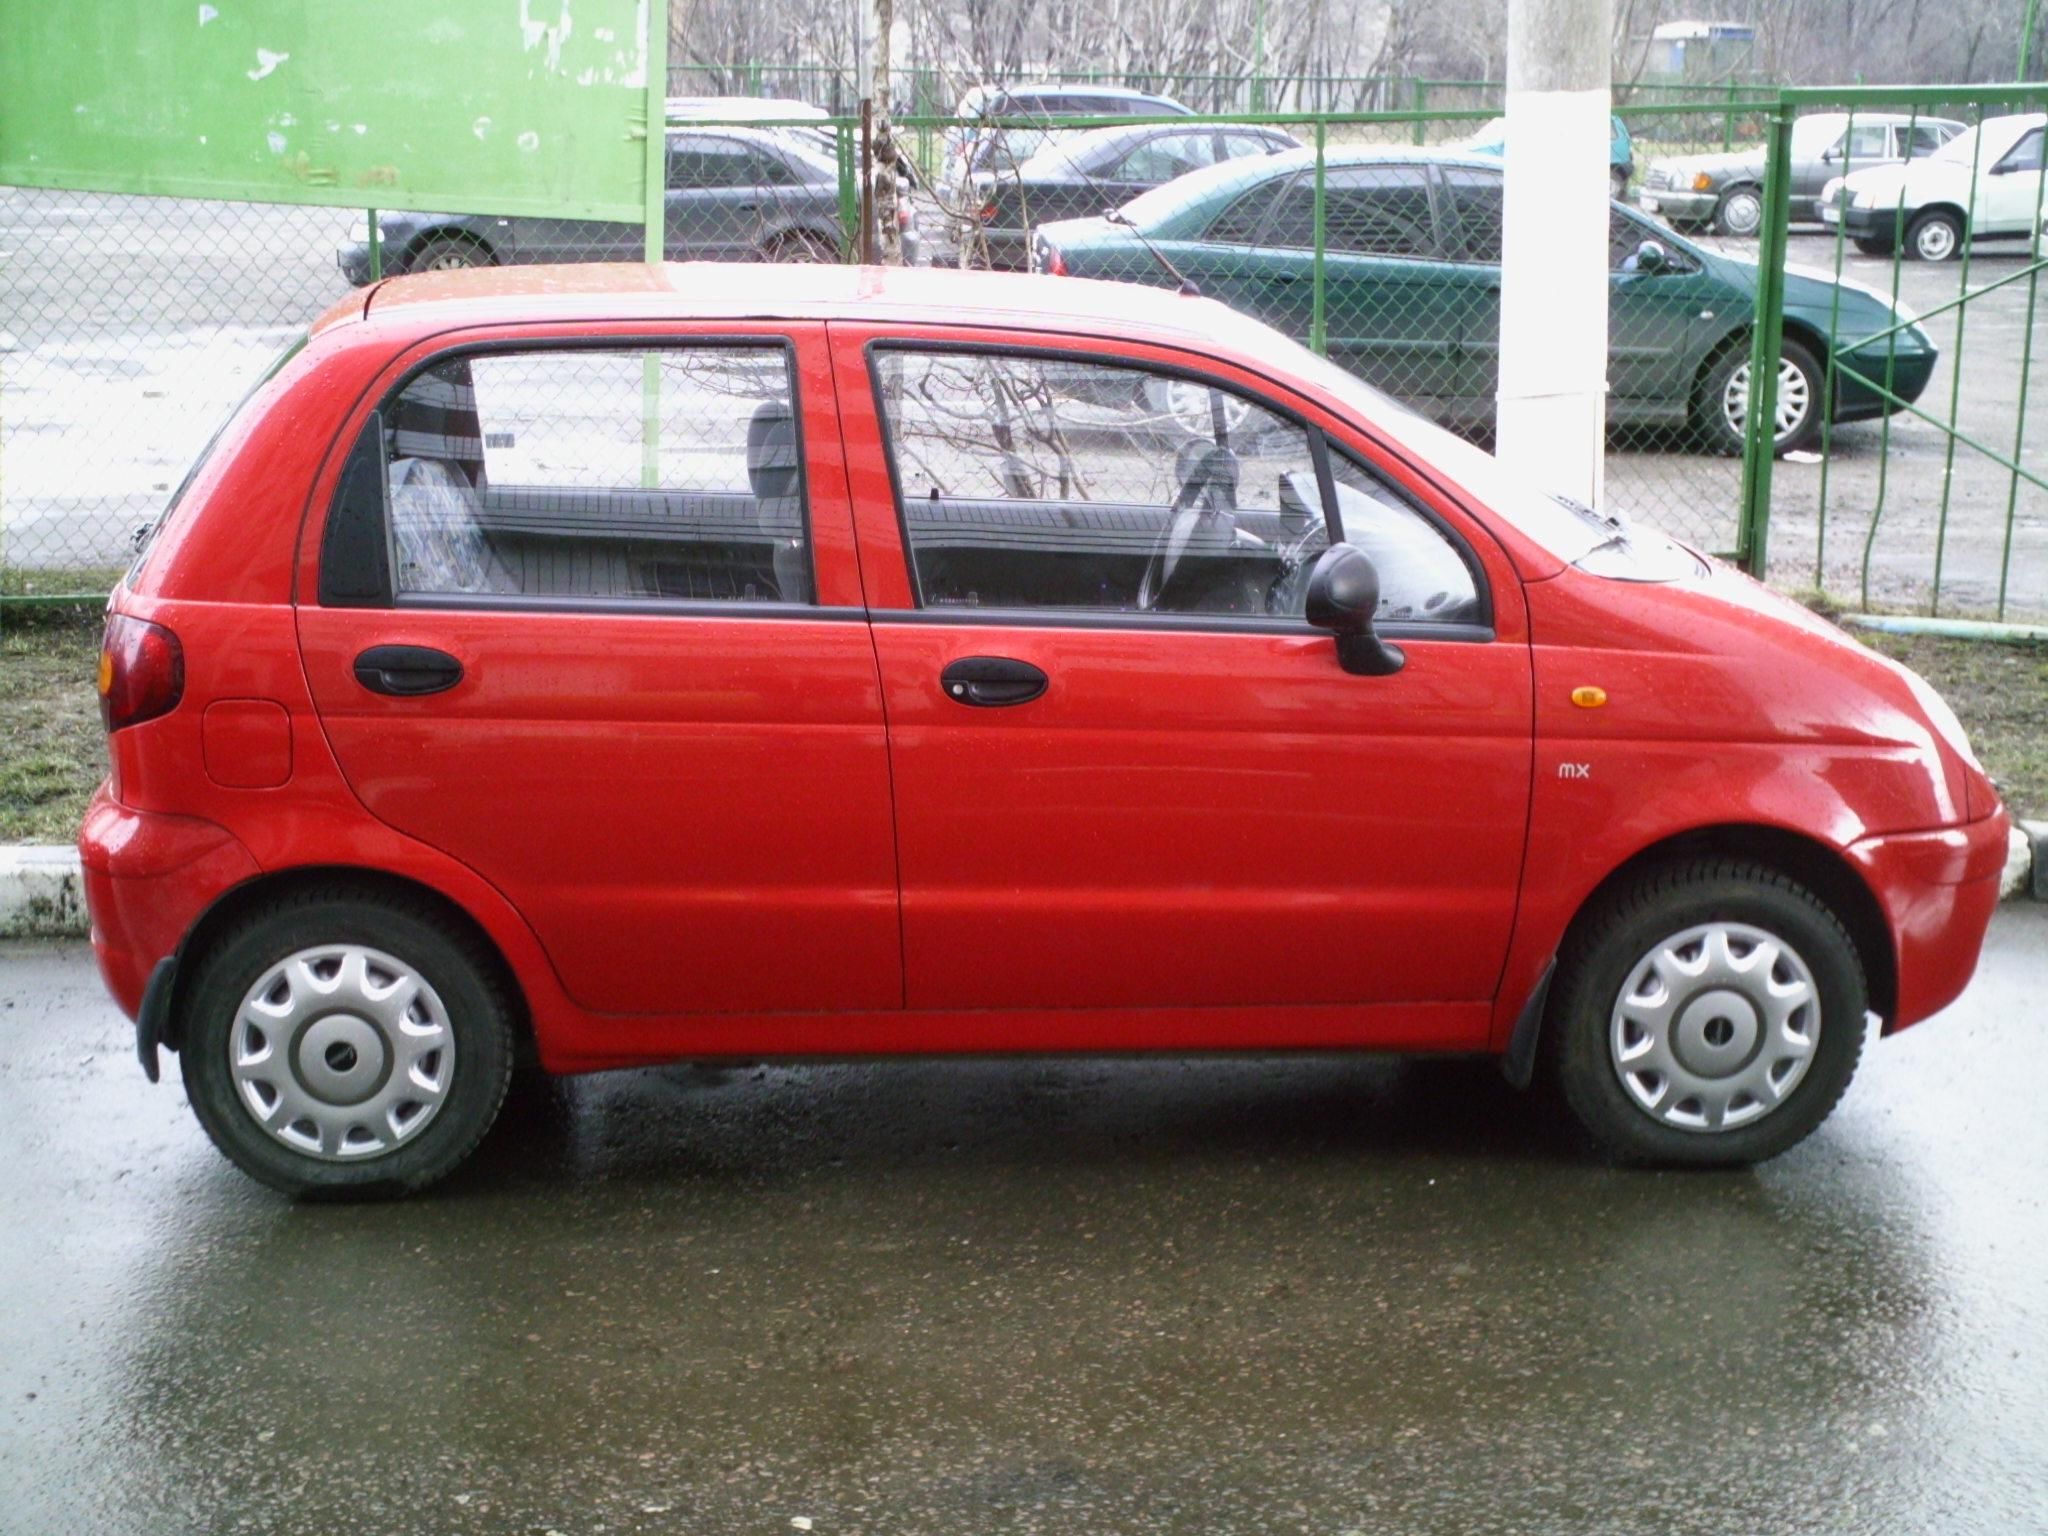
(1589, 697)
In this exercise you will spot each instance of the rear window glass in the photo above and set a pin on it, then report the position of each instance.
(569, 475)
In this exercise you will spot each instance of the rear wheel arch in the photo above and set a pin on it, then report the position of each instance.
(237, 903)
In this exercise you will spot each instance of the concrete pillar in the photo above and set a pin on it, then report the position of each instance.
(1553, 301)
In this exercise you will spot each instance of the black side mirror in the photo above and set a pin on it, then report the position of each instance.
(1343, 596)
(1652, 258)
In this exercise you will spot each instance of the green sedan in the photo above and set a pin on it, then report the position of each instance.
(1411, 280)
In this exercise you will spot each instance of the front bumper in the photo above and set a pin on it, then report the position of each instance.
(1910, 372)
(1938, 890)
(1864, 223)
(1675, 203)
(148, 877)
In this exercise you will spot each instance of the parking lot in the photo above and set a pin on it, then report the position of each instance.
(129, 325)
(1317, 1295)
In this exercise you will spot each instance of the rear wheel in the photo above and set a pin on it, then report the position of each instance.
(338, 1043)
(802, 246)
(1710, 1012)
(1722, 408)
(1617, 179)
(1936, 235)
(448, 253)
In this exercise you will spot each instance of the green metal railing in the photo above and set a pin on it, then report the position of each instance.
(1928, 498)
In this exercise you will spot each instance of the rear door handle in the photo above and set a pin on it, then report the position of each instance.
(407, 670)
(991, 681)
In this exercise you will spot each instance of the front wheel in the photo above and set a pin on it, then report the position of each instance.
(343, 1044)
(448, 253)
(1722, 408)
(1935, 235)
(1740, 212)
(1617, 179)
(1706, 1013)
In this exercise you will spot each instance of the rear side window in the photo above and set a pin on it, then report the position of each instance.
(568, 475)
(1368, 210)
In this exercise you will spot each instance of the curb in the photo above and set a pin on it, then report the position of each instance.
(42, 896)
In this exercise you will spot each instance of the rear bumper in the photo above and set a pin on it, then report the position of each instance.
(1938, 890)
(148, 877)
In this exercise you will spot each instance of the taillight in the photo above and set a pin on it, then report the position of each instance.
(142, 671)
(1055, 263)
(988, 211)
(906, 216)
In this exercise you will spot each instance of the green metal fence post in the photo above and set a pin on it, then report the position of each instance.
(1420, 132)
(376, 248)
(1318, 340)
(1728, 121)
(654, 212)
(1767, 342)
(849, 189)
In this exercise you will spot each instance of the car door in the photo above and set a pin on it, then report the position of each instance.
(2009, 190)
(587, 620)
(714, 198)
(1128, 775)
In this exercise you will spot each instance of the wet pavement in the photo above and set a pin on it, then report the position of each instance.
(1264, 1296)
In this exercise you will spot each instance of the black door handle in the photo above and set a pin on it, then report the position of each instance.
(407, 670)
(989, 681)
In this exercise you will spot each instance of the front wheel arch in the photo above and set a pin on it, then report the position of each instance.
(1813, 864)
(1739, 340)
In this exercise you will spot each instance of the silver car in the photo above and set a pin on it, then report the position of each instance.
(1725, 191)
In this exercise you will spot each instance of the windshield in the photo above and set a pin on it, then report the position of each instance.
(145, 537)
(1599, 543)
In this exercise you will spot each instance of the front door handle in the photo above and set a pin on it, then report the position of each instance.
(407, 670)
(990, 681)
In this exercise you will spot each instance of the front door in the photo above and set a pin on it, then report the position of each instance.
(606, 672)
(1128, 774)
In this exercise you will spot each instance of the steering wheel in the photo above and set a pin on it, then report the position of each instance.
(1208, 494)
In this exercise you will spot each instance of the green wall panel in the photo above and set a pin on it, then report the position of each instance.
(480, 106)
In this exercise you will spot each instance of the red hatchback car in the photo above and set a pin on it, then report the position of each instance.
(630, 664)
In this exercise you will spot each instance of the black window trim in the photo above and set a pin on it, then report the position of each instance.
(535, 602)
(1479, 631)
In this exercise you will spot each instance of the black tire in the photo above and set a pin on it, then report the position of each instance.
(1612, 939)
(1710, 402)
(447, 253)
(1936, 235)
(1617, 178)
(803, 245)
(1875, 245)
(465, 977)
(1740, 213)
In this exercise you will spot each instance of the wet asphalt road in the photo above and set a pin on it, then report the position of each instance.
(1263, 1296)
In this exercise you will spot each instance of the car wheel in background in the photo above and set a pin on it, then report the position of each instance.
(1876, 245)
(1710, 1012)
(1618, 179)
(1936, 235)
(448, 253)
(1740, 212)
(1722, 406)
(1193, 405)
(346, 1044)
(802, 245)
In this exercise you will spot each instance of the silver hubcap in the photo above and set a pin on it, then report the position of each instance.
(341, 1052)
(1715, 1027)
(451, 261)
(1795, 399)
(1936, 241)
(1743, 214)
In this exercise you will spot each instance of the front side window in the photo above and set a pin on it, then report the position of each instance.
(1867, 143)
(1033, 482)
(575, 474)
(2025, 155)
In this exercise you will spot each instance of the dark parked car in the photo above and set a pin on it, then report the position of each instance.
(1002, 128)
(1411, 273)
(734, 194)
(1725, 191)
(1104, 169)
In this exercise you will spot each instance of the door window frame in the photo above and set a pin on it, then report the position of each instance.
(1479, 631)
(393, 601)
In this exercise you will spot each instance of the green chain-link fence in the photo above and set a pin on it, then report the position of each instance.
(1931, 267)
(131, 323)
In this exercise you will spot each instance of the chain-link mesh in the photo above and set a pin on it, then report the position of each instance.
(130, 324)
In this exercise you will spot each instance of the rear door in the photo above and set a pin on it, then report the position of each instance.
(1128, 775)
(617, 663)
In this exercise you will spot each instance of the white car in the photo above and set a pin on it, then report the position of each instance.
(1983, 184)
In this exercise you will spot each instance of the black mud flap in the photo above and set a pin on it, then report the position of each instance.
(154, 1016)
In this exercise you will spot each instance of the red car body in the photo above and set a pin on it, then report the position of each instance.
(691, 835)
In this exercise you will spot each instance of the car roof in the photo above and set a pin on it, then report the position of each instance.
(742, 108)
(628, 291)
(1098, 92)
